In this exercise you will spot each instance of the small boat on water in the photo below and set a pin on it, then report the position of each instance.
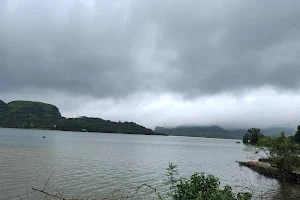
(44, 136)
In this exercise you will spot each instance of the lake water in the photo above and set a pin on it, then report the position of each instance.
(96, 164)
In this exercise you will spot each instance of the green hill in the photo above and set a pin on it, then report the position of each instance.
(30, 114)
(100, 125)
(196, 131)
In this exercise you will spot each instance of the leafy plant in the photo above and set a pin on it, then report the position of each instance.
(297, 135)
(200, 187)
(281, 151)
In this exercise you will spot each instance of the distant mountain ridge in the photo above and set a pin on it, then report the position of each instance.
(39, 115)
(219, 132)
(197, 131)
(272, 131)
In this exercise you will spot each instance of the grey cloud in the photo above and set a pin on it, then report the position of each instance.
(114, 49)
(234, 60)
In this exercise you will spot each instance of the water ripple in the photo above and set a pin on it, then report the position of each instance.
(94, 165)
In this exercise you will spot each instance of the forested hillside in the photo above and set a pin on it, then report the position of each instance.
(28, 114)
(38, 115)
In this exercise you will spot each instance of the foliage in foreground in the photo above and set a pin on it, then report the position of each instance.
(200, 187)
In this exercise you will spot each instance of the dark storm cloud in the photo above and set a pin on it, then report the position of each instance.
(119, 48)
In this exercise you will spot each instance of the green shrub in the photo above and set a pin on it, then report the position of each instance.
(281, 151)
(200, 187)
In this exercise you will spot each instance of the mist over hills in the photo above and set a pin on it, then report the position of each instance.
(219, 132)
(39, 115)
(196, 131)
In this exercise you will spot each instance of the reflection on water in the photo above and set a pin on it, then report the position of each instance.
(95, 164)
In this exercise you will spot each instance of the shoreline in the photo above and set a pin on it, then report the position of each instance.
(265, 169)
(159, 134)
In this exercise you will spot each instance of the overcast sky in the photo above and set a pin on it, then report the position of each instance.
(234, 63)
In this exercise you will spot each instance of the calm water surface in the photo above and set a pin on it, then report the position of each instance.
(96, 164)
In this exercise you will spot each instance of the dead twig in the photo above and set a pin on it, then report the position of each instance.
(51, 195)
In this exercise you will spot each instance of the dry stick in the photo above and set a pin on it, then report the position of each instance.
(58, 192)
(26, 192)
(148, 186)
(47, 181)
(57, 195)
(46, 185)
(52, 195)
